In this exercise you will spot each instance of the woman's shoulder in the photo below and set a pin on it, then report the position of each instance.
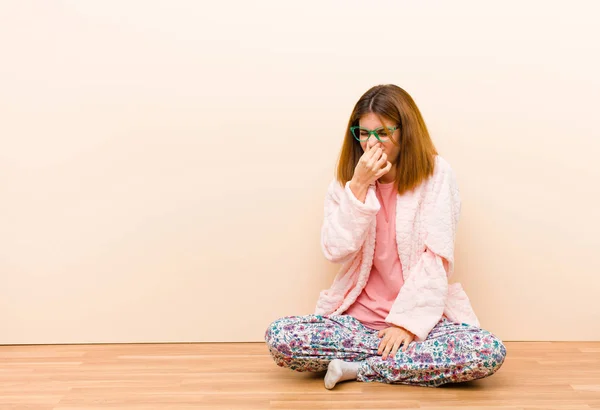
(442, 171)
(335, 184)
(442, 175)
(335, 188)
(444, 181)
(441, 165)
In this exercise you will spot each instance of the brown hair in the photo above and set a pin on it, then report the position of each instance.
(417, 153)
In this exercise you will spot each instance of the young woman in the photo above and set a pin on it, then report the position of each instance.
(390, 221)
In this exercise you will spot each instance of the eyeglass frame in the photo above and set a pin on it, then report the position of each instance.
(372, 132)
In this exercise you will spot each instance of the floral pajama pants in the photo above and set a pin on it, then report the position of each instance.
(452, 353)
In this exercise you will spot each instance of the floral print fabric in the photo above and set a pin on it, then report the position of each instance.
(452, 352)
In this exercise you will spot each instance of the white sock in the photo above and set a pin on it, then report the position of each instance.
(338, 371)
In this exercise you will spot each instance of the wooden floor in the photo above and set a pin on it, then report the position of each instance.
(242, 376)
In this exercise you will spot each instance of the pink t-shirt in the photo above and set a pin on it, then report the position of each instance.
(375, 301)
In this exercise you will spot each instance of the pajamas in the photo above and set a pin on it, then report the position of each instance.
(452, 353)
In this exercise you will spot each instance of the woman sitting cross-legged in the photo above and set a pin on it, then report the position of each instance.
(390, 219)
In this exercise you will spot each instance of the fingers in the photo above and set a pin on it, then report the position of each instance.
(370, 152)
(387, 344)
(385, 170)
(388, 347)
(409, 340)
(393, 340)
(373, 157)
(395, 348)
(392, 346)
(383, 344)
(382, 162)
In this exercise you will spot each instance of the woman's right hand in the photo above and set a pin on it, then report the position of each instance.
(371, 166)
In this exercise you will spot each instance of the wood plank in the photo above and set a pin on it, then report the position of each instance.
(545, 375)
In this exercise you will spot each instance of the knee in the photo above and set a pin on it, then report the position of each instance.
(275, 336)
(272, 332)
(495, 350)
(491, 354)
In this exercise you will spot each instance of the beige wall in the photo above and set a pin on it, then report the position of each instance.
(163, 164)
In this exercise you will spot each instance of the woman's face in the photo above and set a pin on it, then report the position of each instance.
(389, 145)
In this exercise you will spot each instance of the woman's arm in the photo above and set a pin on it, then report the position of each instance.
(346, 221)
(422, 298)
(421, 301)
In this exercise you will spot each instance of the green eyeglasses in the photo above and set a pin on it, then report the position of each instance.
(382, 134)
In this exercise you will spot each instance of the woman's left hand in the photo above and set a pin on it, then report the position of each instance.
(393, 338)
